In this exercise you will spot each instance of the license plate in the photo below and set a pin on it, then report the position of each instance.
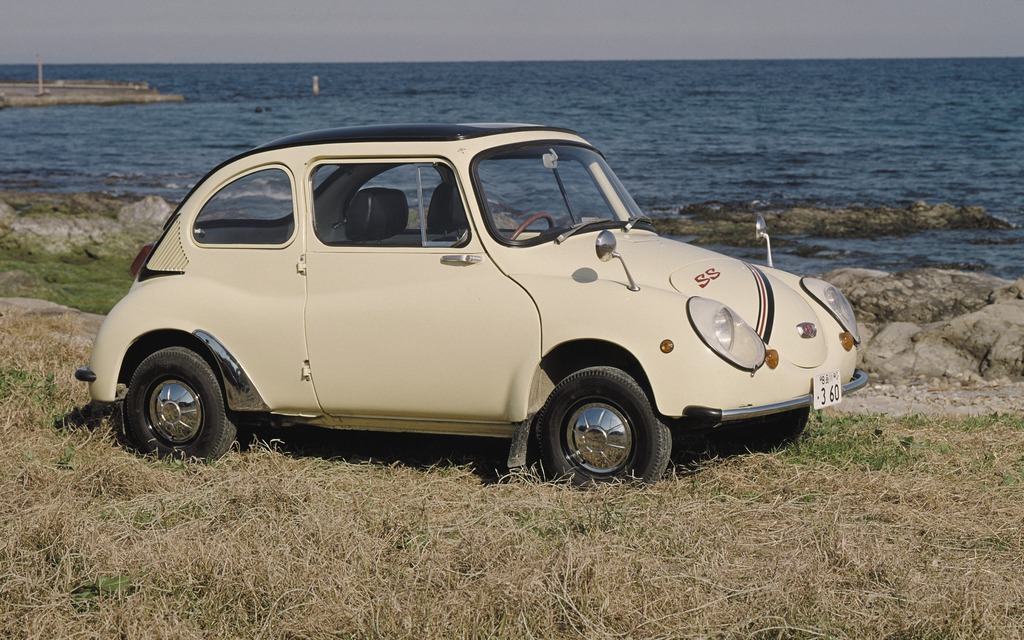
(828, 390)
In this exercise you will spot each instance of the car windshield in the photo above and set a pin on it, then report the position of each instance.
(537, 193)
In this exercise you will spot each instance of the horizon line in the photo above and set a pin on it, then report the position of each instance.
(34, 63)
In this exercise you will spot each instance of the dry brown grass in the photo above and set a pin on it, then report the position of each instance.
(869, 528)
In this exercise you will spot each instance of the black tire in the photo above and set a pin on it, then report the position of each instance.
(175, 407)
(621, 437)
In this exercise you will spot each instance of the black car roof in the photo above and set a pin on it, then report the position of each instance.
(403, 132)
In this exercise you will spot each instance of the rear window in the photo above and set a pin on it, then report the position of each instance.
(254, 209)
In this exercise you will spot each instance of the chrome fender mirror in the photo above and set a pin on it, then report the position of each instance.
(605, 248)
(761, 233)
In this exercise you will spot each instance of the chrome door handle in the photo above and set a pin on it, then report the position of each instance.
(464, 258)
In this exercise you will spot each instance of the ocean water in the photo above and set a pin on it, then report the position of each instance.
(764, 134)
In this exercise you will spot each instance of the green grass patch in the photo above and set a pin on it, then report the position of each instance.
(39, 388)
(89, 281)
(861, 441)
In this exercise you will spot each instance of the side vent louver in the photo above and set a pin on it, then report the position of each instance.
(170, 255)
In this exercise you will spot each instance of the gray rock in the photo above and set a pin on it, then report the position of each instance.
(60, 224)
(712, 223)
(62, 234)
(86, 325)
(937, 325)
(917, 295)
(1013, 292)
(151, 211)
(994, 338)
(888, 354)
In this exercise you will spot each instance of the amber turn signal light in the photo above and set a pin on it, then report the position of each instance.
(771, 358)
(846, 339)
(667, 346)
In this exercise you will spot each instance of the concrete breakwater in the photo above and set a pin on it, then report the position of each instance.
(69, 92)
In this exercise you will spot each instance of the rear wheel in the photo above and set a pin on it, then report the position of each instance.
(175, 407)
(598, 425)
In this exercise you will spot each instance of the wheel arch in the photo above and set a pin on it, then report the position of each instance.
(149, 343)
(569, 357)
(239, 392)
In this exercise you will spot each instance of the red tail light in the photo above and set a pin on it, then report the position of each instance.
(141, 258)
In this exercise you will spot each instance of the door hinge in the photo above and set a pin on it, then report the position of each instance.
(301, 266)
(307, 374)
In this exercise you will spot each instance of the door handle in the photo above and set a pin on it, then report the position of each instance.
(463, 258)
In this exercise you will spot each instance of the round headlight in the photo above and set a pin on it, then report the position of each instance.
(830, 297)
(725, 333)
(724, 324)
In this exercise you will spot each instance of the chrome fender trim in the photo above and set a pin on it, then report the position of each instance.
(713, 417)
(239, 391)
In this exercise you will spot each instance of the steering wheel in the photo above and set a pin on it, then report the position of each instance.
(534, 218)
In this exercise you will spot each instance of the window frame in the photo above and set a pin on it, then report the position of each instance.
(438, 165)
(607, 182)
(251, 171)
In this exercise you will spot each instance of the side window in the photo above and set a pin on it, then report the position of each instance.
(391, 205)
(254, 209)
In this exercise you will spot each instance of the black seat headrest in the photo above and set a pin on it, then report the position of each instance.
(375, 214)
(445, 214)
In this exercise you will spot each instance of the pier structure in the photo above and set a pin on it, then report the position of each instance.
(68, 92)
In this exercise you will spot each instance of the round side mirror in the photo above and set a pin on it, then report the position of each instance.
(761, 233)
(760, 227)
(605, 246)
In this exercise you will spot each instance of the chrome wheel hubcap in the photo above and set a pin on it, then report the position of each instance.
(176, 412)
(599, 438)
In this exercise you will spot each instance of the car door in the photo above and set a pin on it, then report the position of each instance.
(406, 314)
(242, 287)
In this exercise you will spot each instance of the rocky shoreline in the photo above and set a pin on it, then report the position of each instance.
(937, 341)
(60, 223)
(711, 223)
(934, 340)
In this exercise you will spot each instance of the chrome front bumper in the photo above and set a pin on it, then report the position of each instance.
(710, 417)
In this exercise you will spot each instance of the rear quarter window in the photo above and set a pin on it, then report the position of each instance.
(255, 209)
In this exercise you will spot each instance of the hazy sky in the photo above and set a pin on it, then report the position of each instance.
(408, 30)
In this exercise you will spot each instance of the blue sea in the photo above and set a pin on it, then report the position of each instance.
(762, 134)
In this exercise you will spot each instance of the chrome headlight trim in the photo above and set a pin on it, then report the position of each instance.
(832, 299)
(726, 333)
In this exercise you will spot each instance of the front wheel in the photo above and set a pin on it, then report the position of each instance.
(598, 425)
(175, 408)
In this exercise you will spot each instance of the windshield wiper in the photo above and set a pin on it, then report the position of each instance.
(580, 226)
(635, 219)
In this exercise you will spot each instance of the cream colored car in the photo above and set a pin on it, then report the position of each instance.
(494, 280)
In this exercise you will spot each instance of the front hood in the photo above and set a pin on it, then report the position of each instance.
(777, 312)
(759, 296)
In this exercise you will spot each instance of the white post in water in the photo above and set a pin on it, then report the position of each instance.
(316, 85)
(39, 63)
